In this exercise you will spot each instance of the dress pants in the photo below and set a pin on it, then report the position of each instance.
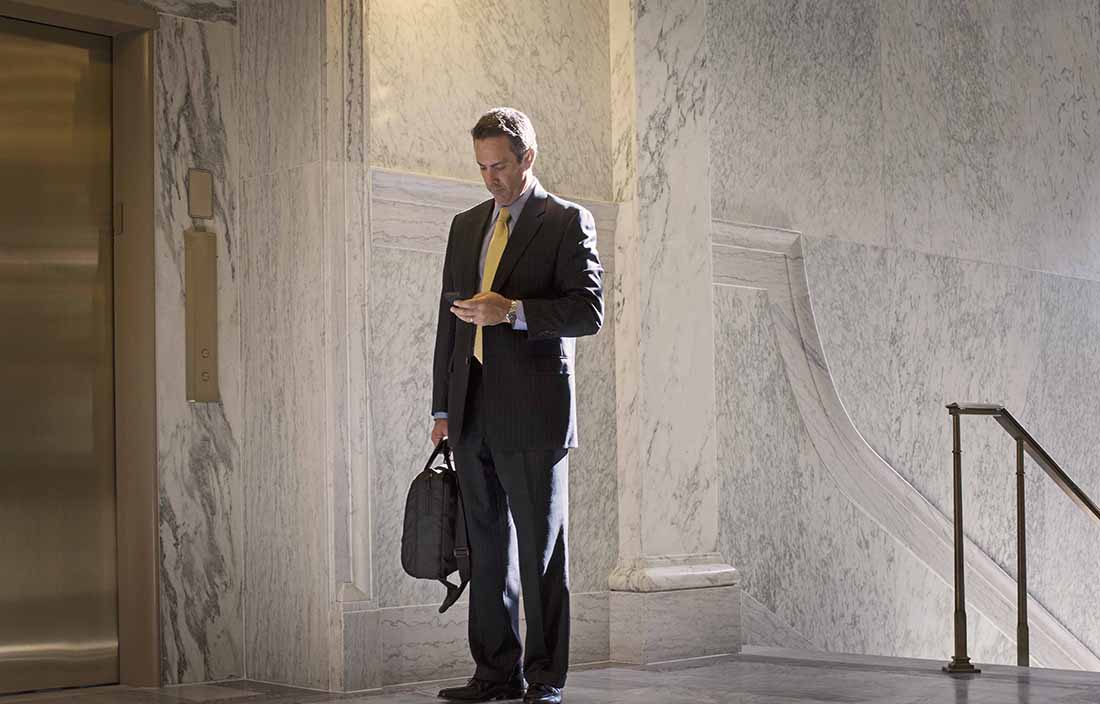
(517, 511)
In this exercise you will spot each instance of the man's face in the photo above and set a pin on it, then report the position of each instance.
(505, 176)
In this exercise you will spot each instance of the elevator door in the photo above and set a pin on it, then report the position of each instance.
(58, 588)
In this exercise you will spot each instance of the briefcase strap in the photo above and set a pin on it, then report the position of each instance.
(462, 556)
(443, 448)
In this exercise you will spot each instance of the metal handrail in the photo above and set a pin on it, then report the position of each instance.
(960, 663)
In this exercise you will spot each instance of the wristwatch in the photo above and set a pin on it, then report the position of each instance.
(510, 317)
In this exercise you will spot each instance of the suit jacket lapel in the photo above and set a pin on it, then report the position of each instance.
(471, 249)
(526, 227)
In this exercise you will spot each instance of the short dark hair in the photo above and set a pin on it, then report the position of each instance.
(510, 123)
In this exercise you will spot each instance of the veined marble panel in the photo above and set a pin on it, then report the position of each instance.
(1044, 56)
(201, 512)
(593, 485)
(206, 10)
(402, 330)
(1061, 412)
(649, 627)
(803, 550)
(942, 126)
(414, 211)
(746, 236)
(402, 343)
(423, 103)
(362, 650)
(286, 466)
(796, 127)
(665, 292)
(344, 76)
(760, 627)
(750, 268)
(872, 485)
(991, 127)
(281, 91)
(624, 104)
(908, 333)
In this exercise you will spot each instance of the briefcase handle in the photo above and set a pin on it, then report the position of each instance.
(444, 448)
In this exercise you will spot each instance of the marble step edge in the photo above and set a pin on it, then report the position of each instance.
(662, 573)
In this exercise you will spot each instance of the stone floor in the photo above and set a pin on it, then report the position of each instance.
(758, 676)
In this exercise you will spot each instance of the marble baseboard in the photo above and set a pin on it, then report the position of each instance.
(410, 644)
(660, 626)
(761, 627)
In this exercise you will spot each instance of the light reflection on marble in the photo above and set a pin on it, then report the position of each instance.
(281, 51)
(201, 519)
(966, 130)
(287, 505)
(796, 127)
(471, 67)
(664, 328)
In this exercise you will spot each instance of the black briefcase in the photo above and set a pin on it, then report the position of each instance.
(434, 542)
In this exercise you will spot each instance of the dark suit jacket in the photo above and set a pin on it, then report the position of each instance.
(550, 263)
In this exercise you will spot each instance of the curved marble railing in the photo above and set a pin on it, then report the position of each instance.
(771, 259)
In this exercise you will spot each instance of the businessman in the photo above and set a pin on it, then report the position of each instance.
(521, 281)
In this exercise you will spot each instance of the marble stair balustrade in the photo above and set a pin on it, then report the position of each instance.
(771, 261)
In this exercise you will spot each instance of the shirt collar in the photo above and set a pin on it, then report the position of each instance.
(516, 206)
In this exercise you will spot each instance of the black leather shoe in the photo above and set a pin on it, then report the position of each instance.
(542, 694)
(484, 691)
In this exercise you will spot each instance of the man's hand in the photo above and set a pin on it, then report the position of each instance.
(487, 308)
(439, 430)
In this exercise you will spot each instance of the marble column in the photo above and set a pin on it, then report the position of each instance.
(672, 595)
(303, 335)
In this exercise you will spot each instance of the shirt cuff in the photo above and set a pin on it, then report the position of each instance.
(440, 415)
(521, 319)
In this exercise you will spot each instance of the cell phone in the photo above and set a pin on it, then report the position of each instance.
(452, 296)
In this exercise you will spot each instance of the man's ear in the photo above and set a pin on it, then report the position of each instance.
(529, 159)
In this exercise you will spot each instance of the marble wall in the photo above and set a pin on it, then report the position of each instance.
(941, 157)
(201, 501)
(222, 11)
(961, 129)
(548, 58)
(303, 332)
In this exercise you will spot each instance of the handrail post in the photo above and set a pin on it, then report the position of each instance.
(960, 663)
(1023, 658)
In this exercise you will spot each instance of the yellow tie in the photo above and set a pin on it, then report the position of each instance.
(492, 260)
